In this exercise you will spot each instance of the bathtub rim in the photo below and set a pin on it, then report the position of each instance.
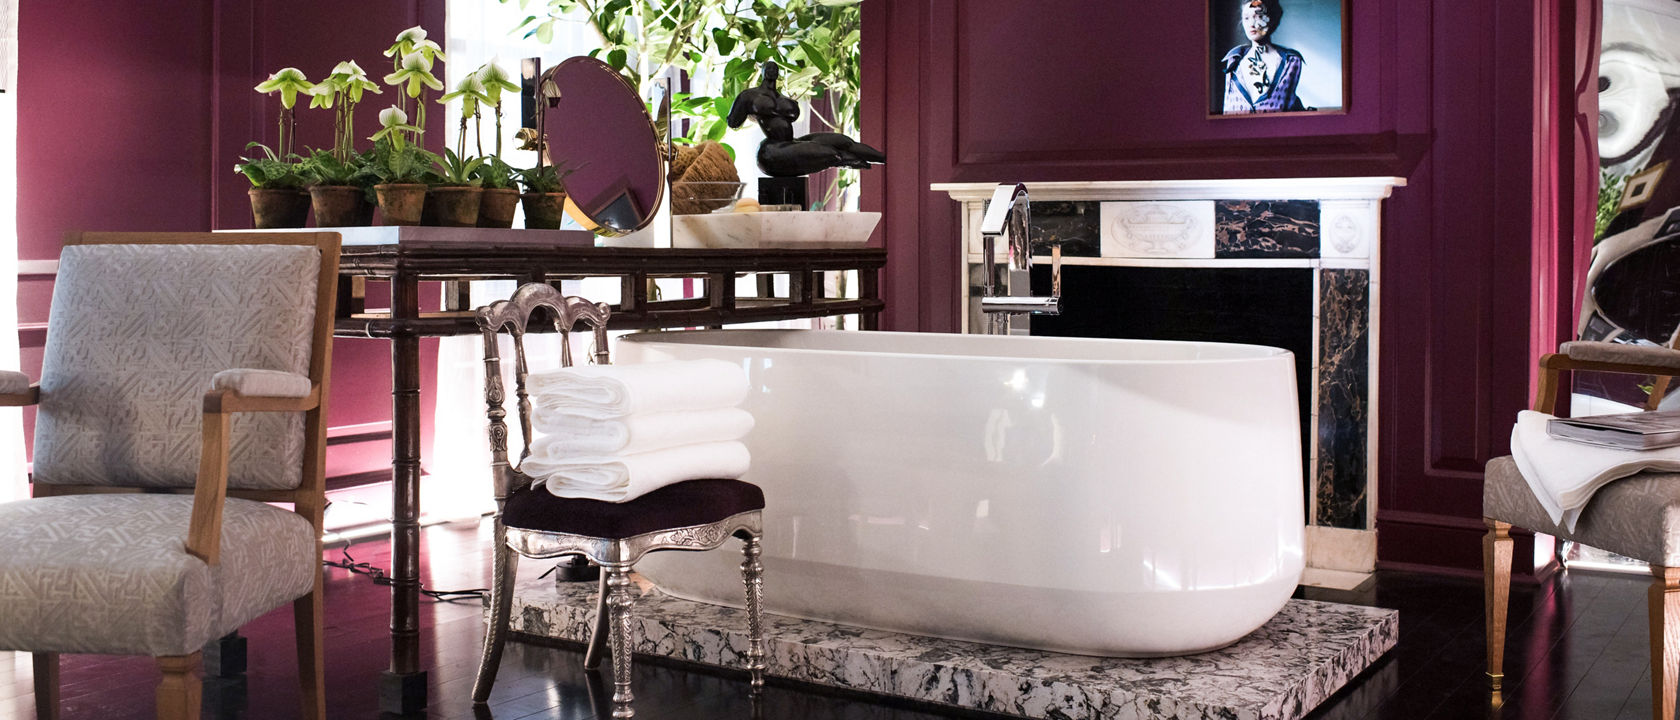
(1267, 352)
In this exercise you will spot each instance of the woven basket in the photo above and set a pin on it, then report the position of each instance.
(703, 179)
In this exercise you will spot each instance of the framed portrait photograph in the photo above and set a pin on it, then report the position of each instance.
(1277, 57)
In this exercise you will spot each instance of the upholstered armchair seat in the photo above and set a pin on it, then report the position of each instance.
(72, 582)
(684, 504)
(1639, 516)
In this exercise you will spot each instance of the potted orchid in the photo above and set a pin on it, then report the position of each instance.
(277, 195)
(340, 186)
(501, 194)
(545, 197)
(401, 167)
(455, 195)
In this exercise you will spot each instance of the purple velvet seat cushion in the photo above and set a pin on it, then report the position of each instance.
(693, 502)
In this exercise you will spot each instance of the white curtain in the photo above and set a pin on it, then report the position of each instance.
(13, 483)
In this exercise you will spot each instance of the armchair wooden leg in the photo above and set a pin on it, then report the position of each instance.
(312, 675)
(506, 564)
(1496, 564)
(46, 685)
(1665, 640)
(752, 575)
(620, 602)
(179, 696)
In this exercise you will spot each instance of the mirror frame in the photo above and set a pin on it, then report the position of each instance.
(657, 148)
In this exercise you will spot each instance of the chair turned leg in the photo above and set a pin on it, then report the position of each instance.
(598, 633)
(619, 603)
(307, 620)
(1496, 589)
(752, 575)
(46, 685)
(1665, 640)
(496, 628)
(179, 696)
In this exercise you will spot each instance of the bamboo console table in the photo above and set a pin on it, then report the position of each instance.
(406, 257)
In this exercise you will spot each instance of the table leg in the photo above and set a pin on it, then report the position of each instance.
(402, 688)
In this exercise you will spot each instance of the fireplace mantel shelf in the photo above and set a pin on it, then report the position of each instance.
(1325, 188)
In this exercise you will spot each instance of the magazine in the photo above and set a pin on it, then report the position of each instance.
(1628, 431)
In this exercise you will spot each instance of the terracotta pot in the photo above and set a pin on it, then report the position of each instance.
(455, 205)
(544, 211)
(341, 206)
(495, 209)
(400, 203)
(275, 208)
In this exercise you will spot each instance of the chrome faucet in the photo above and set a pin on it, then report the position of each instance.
(1010, 211)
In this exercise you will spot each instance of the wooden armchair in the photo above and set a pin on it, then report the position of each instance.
(1638, 517)
(182, 391)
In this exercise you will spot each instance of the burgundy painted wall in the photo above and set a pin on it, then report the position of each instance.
(1442, 94)
(131, 116)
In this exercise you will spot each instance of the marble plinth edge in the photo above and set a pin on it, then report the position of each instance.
(1283, 670)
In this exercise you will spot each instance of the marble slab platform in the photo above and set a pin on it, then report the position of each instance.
(1283, 670)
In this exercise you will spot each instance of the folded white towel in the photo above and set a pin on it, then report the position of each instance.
(609, 391)
(562, 434)
(1564, 474)
(618, 478)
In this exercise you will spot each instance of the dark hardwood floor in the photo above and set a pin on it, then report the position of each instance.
(1578, 651)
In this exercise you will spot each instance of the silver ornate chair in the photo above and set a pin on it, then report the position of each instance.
(1638, 517)
(182, 392)
(530, 521)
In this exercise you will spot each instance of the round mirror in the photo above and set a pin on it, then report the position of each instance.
(601, 139)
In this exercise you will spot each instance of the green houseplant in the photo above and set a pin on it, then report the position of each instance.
(277, 196)
(340, 188)
(455, 191)
(401, 168)
(501, 193)
(544, 198)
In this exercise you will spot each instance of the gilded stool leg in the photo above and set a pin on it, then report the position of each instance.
(506, 564)
(1496, 564)
(598, 634)
(1665, 640)
(619, 603)
(46, 685)
(752, 574)
(180, 694)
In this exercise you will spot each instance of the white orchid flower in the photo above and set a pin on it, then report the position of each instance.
(289, 82)
(415, 71)
(393, 116)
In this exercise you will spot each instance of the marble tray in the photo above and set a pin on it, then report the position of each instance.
(773, 229)
(1281, 671)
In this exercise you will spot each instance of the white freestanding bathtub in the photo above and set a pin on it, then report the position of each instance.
(1099, 497)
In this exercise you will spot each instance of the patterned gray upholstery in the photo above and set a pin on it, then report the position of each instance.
(1637, 516)
(1607, 352)
(135, 334)
(73, 581)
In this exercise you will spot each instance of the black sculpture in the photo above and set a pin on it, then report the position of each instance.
(783, 155)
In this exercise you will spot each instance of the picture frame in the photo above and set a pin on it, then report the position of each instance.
(1302, 68)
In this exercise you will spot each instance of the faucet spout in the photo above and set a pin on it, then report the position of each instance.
(1010, 212)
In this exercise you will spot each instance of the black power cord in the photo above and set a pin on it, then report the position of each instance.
(380, 578)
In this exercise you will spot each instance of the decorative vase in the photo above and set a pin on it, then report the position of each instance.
(400, 203)
(341, 206)
(495, 208)
(455, 205)
(279, 208)
(544, 211)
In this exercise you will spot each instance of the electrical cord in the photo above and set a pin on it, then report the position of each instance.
(380, 578)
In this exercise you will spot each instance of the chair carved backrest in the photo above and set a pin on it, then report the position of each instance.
(140, 323)
(514, 316)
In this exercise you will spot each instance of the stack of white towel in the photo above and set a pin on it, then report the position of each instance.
(617, 432)
(1564, 474)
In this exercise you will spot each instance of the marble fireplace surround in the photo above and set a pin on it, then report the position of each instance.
(1331, 226)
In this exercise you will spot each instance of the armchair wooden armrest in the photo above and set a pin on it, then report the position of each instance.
(1636, 363)
(16, 390)
(205, 531)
